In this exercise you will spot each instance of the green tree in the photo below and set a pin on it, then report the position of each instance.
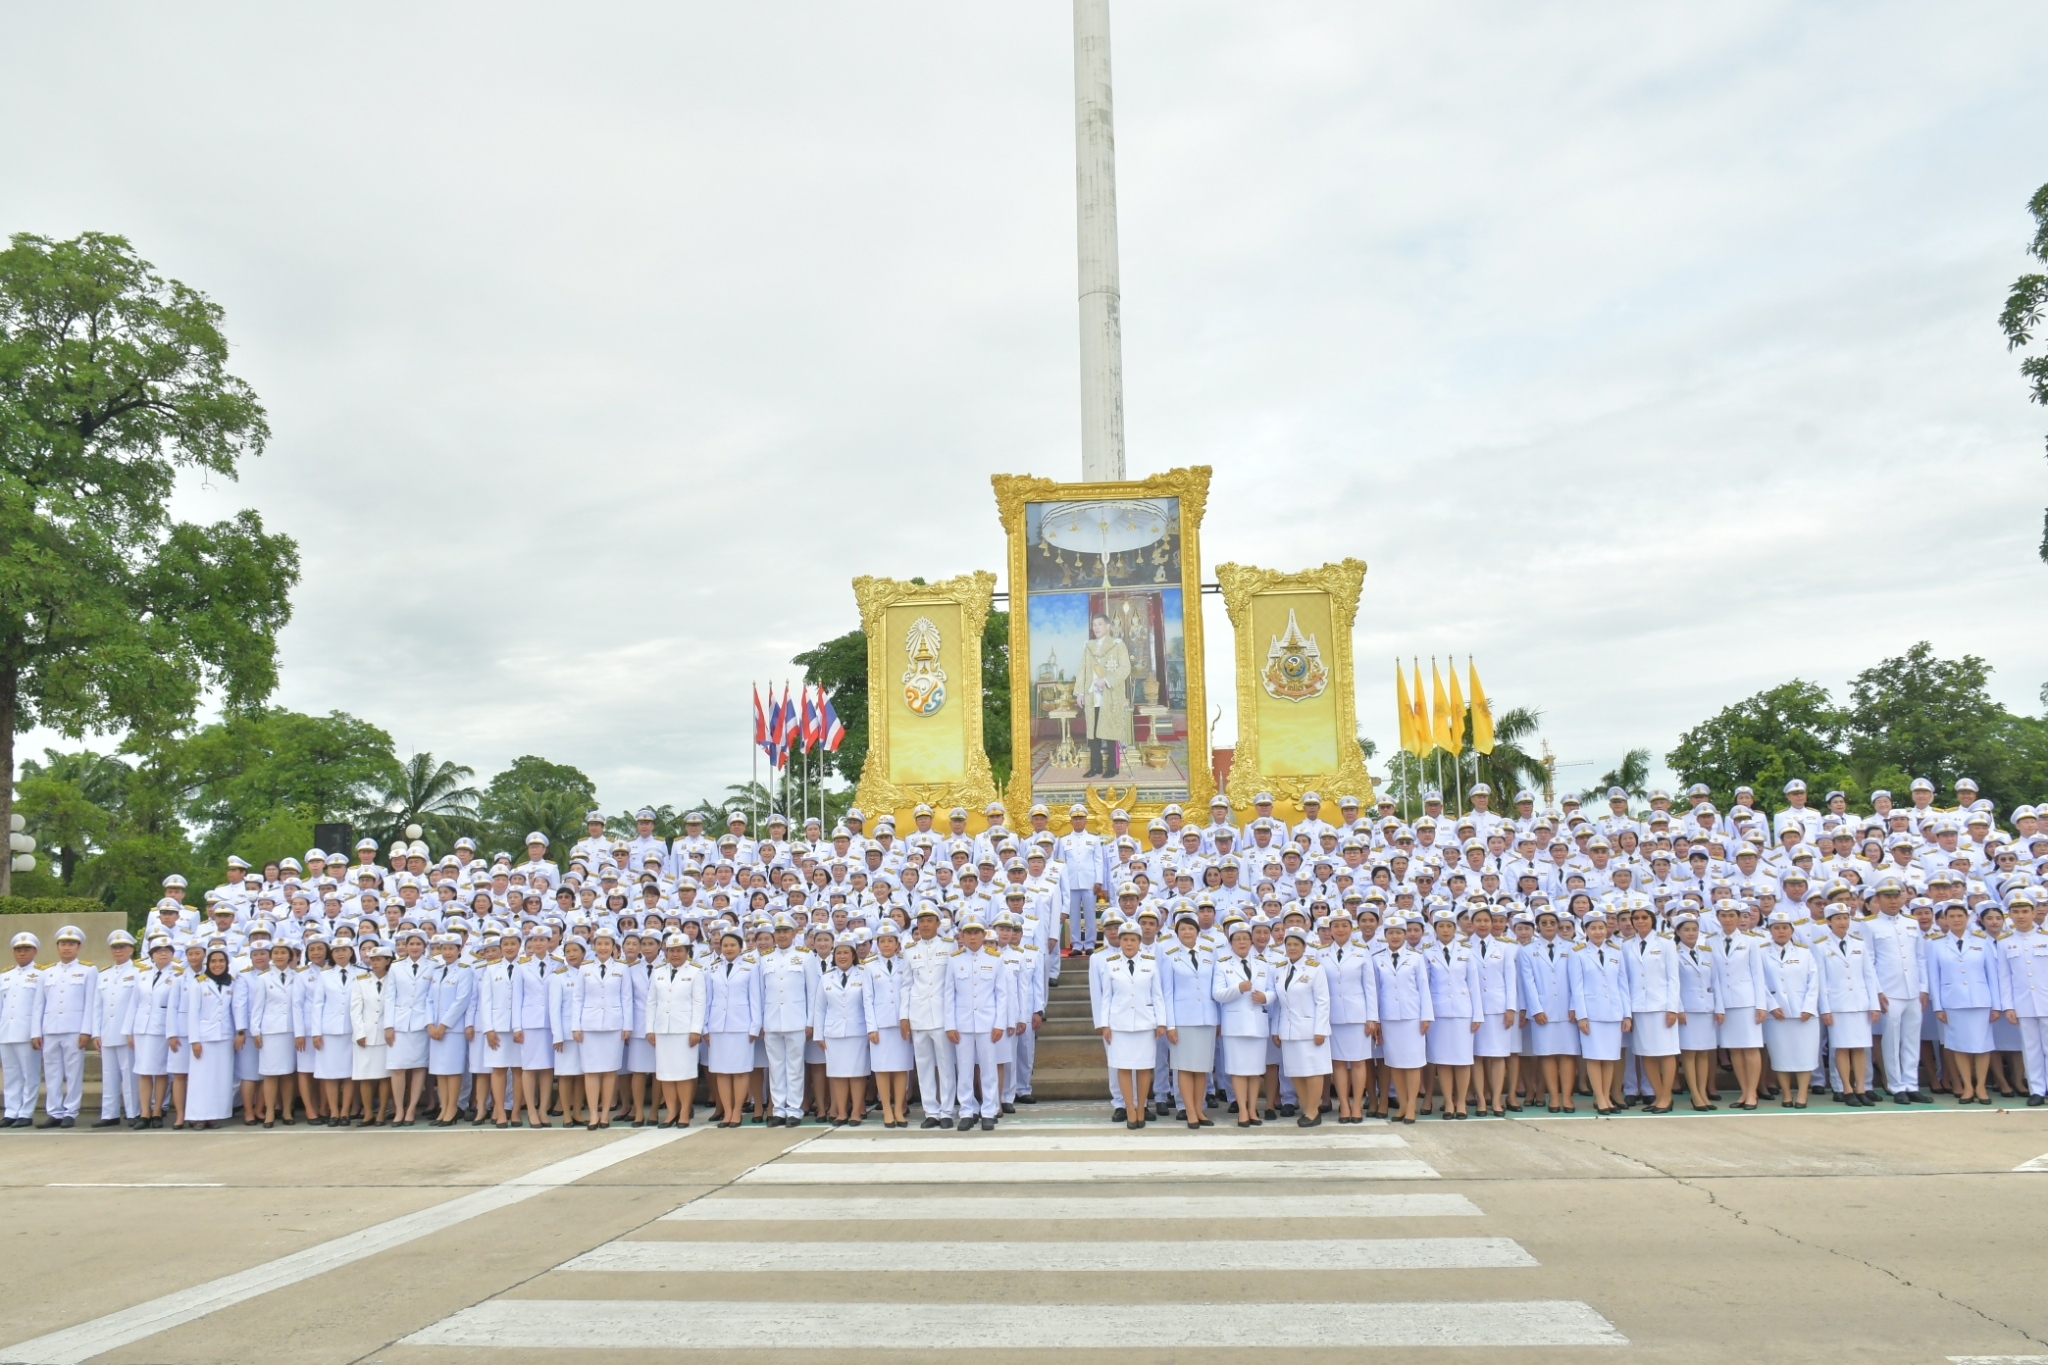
(434, 796)
(840, 666)
(268, 776)
(995, 696)
(1919, 715)
(70, 805)
(1791, 730)
(113, 615)
(536, 794)
(1632, 776)
(2022, 315)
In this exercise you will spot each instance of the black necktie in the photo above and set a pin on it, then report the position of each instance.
(1246, 963)
(1553, 952)
(1290, 976)
(1134, 965)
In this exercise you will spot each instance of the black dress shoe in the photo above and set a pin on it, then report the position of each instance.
(775, 1121)
(1119, 1116)
(2034, 1101)
(965, 1125)
(67, 1122)
(988, 1125)
(1009, 1109)
(930, 1122)
(1027, 1099)
(1288, 1111)
(107, 1123)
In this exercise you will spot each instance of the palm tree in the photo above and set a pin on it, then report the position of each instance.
(557, 814)
(1633, 776)
(434, 796)
(1510, 767)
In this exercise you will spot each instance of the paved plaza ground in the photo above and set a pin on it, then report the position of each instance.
(1911, 1235)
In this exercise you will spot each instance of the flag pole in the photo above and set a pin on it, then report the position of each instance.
(754, 723)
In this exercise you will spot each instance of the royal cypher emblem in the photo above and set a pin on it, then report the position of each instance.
(924, 682)
(1294, 666)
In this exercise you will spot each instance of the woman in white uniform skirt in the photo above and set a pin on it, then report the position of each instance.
(890, 1051)
(210, 1032)
(1454, 997)
(1699, 1021)
(1499, 994)
(1792, 1028)
(1600, 1007)
(1189, 971)
(159, 985)
(675, 1029)
(1545, 966)
(607, 1017)
(732, 1022)
(1654, 993)
(1354, 997)
(179, 1045)
(532, 1034)
(305, 981)
(1743, 996)
(248, 1051)
(1964, 984)
(1130, 1015)
(333, 1032)
(565, 1024)
(840, 1023)
(371, 1071)
(1406, 1012)
(1301, 1024)
(266, 1000)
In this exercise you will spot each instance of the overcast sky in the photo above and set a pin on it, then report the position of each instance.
(1647, 353)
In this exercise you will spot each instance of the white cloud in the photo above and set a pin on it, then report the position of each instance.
(1648, 355)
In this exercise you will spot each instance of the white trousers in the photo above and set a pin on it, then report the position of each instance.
(2034, 1044)
(934, 1053)
(1900, 1045)
(1081, 919)
(1017, 1080)
(22, 1067)
(786, 1072)
(119, 1098)
(976, 1050)
(63, 1075)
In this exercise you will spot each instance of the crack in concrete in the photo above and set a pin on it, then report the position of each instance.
(1714, 1201)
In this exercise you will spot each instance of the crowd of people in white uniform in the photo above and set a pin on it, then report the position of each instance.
(1369, 966)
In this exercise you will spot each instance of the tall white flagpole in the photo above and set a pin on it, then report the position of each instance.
(1102, 344)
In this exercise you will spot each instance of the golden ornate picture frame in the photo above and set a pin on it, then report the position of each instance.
(970, 596)
(1189, 488)
(1342, 583)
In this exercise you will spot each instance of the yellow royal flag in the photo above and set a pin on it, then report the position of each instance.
(1482, 716)
(1455, 729)
(1421, 717)
(1405, 711)
(1440, 737)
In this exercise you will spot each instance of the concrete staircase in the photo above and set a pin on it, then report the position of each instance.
(1070, 1063)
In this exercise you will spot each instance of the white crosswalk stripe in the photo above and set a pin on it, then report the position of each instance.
(1041, 1173)
(1001, 1209)
(1105, 1141)
(1119, 1234)
(1388, 1253)
(570, 1324)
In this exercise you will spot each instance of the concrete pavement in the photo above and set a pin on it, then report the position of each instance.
(1890, 1235)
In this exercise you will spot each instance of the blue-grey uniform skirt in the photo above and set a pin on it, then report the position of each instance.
(1196, 1050)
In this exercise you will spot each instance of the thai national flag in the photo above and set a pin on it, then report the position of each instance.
(831, 732)
(762, 735)
(813, 726)
(789, 732)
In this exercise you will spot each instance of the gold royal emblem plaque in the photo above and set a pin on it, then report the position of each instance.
(1297, 712)
(928, 748)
